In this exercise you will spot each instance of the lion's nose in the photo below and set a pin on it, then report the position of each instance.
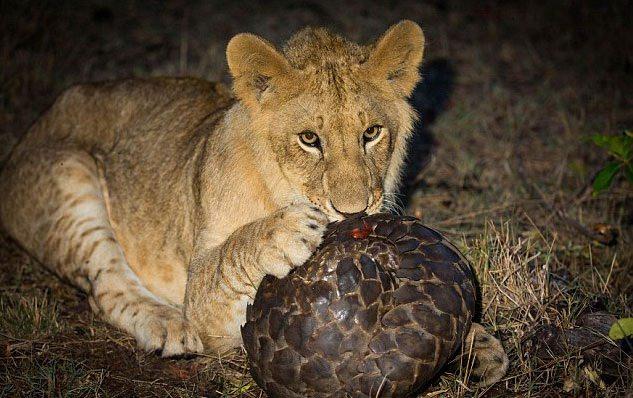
(348, 189)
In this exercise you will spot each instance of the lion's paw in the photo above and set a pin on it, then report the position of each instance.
(166, 330)
(490, 359)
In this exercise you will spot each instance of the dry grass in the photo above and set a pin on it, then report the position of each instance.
(531, 85)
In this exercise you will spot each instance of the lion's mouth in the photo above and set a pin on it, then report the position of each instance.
(333, 215)
(331, 212)
(376, 206)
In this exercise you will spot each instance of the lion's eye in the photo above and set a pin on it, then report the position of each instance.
(372, 133)
(310, 139)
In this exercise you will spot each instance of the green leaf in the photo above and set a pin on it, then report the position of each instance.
(624, 148)
(601, 140)
(605, 177)
(621, 328)
(628, 172)
(620, 146)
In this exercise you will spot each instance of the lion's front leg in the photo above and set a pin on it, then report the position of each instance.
(224, 279)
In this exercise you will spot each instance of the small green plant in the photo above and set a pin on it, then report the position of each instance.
(620, 148)
(621, 329)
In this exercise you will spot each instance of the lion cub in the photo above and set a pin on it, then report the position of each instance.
(167, 200)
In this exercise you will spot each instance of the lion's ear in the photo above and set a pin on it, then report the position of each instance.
(256, 67)
(397, 55)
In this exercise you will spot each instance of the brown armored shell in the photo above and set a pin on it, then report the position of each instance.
(377, 311)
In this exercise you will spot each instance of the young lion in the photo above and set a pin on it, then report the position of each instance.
(166, 200)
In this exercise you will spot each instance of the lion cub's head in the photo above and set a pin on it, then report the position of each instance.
(334, 113)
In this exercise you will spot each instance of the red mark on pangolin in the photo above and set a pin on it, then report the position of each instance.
(362, 233)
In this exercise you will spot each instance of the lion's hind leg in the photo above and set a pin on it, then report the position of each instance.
(55, 208)
(490, 359)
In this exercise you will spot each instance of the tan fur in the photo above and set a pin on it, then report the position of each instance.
(490, 361)
(167, 200)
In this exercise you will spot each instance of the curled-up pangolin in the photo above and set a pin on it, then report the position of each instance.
(377, 311)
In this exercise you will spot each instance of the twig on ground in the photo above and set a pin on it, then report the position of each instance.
(575, 224)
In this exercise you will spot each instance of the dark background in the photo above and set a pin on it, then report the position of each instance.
(501, 163)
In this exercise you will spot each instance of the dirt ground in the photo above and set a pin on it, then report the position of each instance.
(512, 94)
